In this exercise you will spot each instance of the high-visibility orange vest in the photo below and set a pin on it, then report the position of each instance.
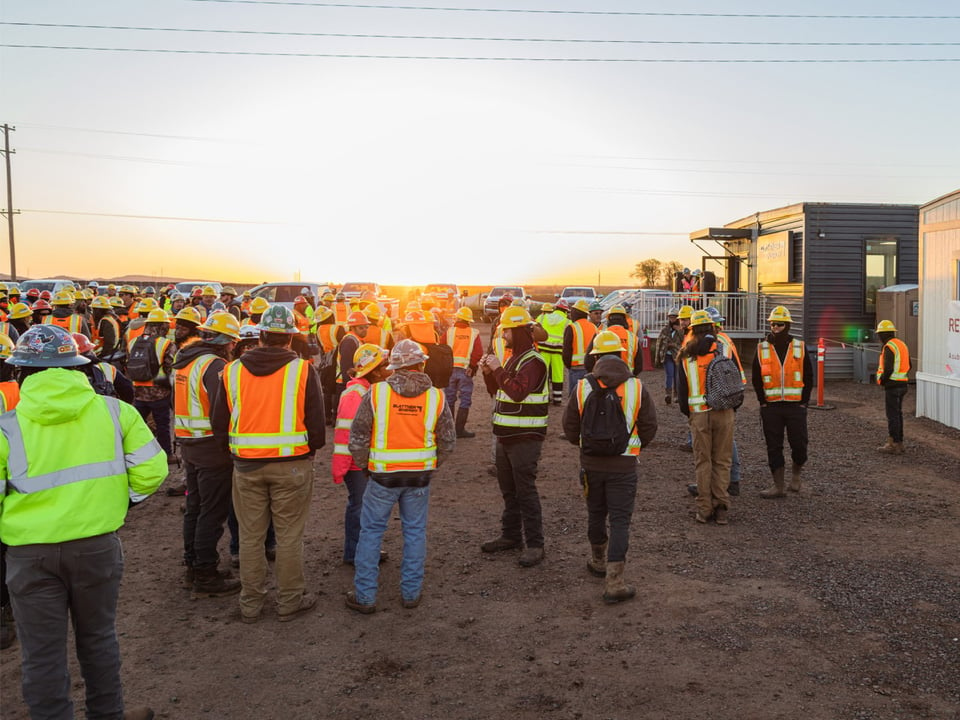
(191, 404)
(583, 332)
(72, 324)
(695, 368)
(629, 392)
(327, 335)
(901, 361)
(160, 347)
(9, 395)
(132, 335)
(98, 335)
(267, 412)
(629, 341)
(303, 322)
(461, 340)
(341, 312)
(782, 383)
(422, 331)
(403, 436)
(378, 336)
(730, 351)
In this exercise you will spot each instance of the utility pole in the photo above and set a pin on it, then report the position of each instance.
(10, 212)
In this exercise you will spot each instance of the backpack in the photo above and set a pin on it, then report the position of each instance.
(603, 426)
(143, 365)
(724, 388)
(439, 365)
(101, 384)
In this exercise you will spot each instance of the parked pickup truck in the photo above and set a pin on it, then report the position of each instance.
(490, 304)
(573, 293)
(355, 290)
(447, 295)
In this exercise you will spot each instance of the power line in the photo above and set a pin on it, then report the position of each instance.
(376, 36)
(785, 16)
(39, 126)
(171, 51)
(155, 217)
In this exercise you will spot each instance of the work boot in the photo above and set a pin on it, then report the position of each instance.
(693, 489)
(208, 582)
(615, 589)
(668, 399)
(887, 447)
(531, 556)
(8, 630)
(307, 602)
(499, 545)
(720, 516)
(898, 448)
(795, 478)
(597, 564)
(461, 422)
(776, 491)
(138, 713)
(733, 488)
(188, 578)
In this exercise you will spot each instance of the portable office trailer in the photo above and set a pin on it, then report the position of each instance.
(826, 260)
(938, 377)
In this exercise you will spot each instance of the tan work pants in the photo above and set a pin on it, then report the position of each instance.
(712, 452)
(281, 491)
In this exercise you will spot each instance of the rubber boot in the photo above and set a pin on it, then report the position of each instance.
(795, 478)
(597, 564)
(616, 590)
(887, 447)
(461, 423)
(209, 582)
(776, 491)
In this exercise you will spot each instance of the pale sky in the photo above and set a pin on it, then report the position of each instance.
(407, 171)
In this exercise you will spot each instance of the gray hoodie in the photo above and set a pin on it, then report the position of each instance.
(612, 372)
(407, 383)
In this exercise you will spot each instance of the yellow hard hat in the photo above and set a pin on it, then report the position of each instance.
(147, 305)
(101, 302)
(223, 323)
(465, 314)
(700, 317)
(228, 291)
(780, 314)
(62, 297)
(246, 293)
(3, 286)
(606, 342)
(191, 315)
(259, 306)
(322, 313)
(129, 289)
(886, 326)
(368, 357)
(208, 291)
(515, 317)
(327, 297)
(20, 310)
(582, 305)
(546, 308)
(69, 287)
(6, 346)
(86, 294)
(685, 312)
(116, 302)
(158, 315)
(617, 310)
(371, 310)
(13, 289)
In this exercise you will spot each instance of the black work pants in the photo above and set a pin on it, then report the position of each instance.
(610, 495)
(894, 393)
(778, 417)
(208, 502)
(522, 518)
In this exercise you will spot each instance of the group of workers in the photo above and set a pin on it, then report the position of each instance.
(247, 397)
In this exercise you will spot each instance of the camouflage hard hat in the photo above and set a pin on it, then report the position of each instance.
(47, 346)
(278, 319)
(406, 353)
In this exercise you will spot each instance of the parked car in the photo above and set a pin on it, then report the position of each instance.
(284, 293)
(493, 298)
(573, 293)
(187, 286)
(447, 295)
(52, 285)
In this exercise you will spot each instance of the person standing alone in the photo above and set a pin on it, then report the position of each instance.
(893, 375)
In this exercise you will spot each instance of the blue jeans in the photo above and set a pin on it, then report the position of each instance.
(378, 502)
(161, 410)
(356, 482)
(735, 464)
(459, 390)
(574, 375)
(669, 372)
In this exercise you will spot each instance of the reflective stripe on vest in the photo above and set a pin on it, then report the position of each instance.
(629, 340)
(782, 382)
(901, 361)
(730, 350)
(327, 335)
(272, 425)
(19, 478)
(696, 372)
(583, 332)
(341, 431)
(160, 346)
(190, 401)
(72, 324)
(461, 340)
(629, 393)
(554, 323)
(511, 417)
(403, 435)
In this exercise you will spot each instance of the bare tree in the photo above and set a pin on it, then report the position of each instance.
(669, 272)
(647, 270)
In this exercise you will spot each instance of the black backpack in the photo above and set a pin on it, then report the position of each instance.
(102, 385)
(603, 426)
(439, 365)
(724, 388)
(143, 365)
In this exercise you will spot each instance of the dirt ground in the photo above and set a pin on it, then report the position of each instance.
(841, 602)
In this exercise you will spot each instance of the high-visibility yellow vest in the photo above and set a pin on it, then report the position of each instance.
(695, 369)
(901, 361)
(554, 323)
(403, 436)
(512, 417)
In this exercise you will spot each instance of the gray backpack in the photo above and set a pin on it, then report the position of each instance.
(724, 385)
